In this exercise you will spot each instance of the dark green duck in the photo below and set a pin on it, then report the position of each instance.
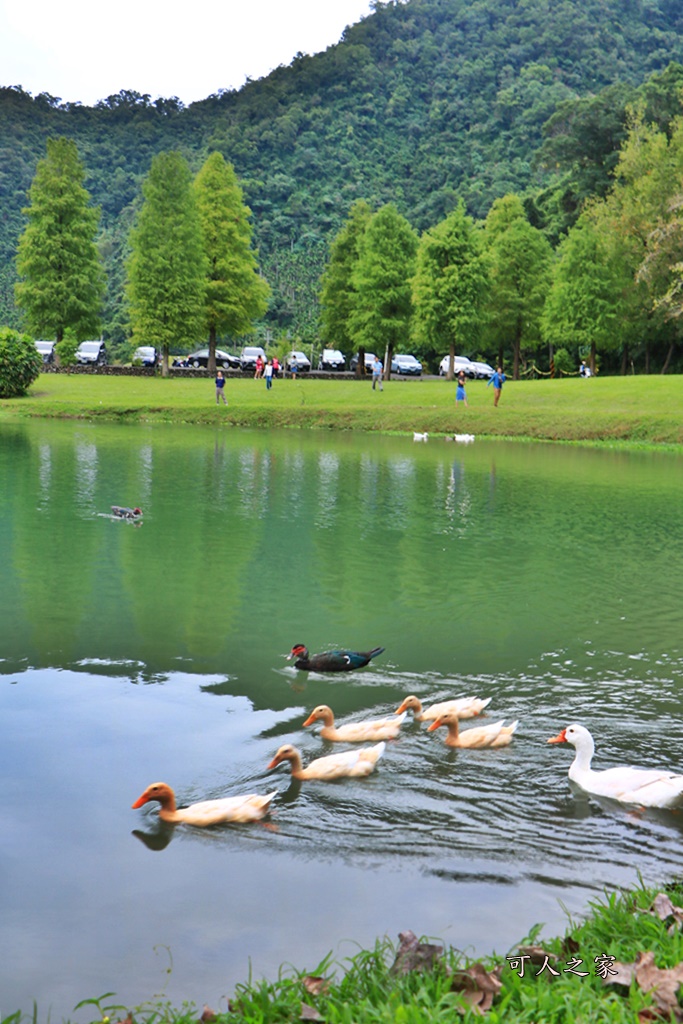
(331, 661)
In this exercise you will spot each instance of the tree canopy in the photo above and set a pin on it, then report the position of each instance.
(62, 281)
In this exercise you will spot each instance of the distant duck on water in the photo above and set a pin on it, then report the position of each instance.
(122, 512)
(330, 661)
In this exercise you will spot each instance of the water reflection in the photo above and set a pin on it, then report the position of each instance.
(510, 571)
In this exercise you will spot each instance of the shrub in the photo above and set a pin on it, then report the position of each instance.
(20, 363)
(564, 362)
(66, 350)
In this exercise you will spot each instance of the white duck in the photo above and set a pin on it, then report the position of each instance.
(352, 763)
(647, 787)
(482, 737)
(463, 707)
(420, 437)
(354, 732)
(250, 807)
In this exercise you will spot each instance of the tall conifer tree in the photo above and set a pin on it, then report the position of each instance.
(236, 294)
(62, 282)
(167, 267)
(338, 294)
(381, 314)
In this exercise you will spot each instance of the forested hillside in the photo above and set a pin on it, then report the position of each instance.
(421, 103)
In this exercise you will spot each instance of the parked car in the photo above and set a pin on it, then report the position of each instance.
(223, 359)
(331, 359)
(94, 352)
(46, 350)
(369, 360)
(406, 365)
(249, 355)
(459, 363)
(484, 371)
(146, 354)
(303, 363)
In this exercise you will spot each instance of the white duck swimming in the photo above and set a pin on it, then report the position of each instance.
(250, 807)
(354, 732)
(483, 736)
(647, 787)
(352, 763)
(463, 707)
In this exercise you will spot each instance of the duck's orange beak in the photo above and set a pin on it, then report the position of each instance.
(140, 801)
(560, 738)
(435, 725)
(310, 720)
(274, 763)
(400, 709)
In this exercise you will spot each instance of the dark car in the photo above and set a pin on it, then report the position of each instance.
(93, 352)
(46, 350)
(331, 359)
(223, 359)
(369, 361)
(406, 365)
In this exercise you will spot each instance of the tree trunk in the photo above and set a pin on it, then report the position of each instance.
(388, 356)
(624, 360)
(668, 357)
(515, 359)
(212, 351)
(164, 361)
(647, 357)
(592, 358)
(450, 372)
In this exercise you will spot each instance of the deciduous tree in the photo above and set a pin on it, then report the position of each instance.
(381, 314)
(62, 282)
(338, 294)
(167, 267)
(236, 294)
(448, 287)
(520, 273)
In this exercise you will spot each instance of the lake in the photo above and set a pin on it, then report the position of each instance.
(546, 577)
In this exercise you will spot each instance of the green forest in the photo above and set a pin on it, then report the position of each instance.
(424, 104)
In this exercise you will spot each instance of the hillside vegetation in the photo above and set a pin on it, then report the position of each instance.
(420, 104)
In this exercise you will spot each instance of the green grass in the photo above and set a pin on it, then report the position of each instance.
(365, 990)
(644, 410)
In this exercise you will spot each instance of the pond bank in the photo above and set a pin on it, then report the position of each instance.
(635, 410)
(622, 963)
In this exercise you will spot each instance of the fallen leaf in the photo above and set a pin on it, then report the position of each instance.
(662, 907)
(662, 982)
(570, 945)
(623, 976)
(309, 1013)
(477, 985)
(537, 953)
(208, 1015)
(413, 955)
(316, 986)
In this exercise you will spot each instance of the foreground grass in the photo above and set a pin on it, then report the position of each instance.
(647, 410)
(379, 987)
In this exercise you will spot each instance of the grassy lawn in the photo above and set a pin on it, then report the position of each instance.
(642, 409)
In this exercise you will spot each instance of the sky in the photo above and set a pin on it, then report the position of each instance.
(85, 50)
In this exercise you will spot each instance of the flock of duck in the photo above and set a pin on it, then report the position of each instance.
(643, 787)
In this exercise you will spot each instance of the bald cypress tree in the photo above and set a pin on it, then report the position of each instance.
(236, 294)
(167, 268)
(62, 280)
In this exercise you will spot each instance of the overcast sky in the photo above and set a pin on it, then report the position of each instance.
(85, 50)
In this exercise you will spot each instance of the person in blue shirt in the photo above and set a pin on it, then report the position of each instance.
(460, 393)
(377, 369)
(220, 388)
(498, 379)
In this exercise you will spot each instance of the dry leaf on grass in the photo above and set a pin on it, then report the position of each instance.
(537, 954)
(662, 907)
(477, 985)
(413, 955)
(309, 1013)
(316, 986)
(662, 982)
(208, 1015)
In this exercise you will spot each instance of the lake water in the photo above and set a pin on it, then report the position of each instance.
(548, 578)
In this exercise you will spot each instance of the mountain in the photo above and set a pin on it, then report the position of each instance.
(421, 103)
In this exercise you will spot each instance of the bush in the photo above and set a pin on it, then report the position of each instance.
(20, 363)
(564, 362)
(66, 350)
